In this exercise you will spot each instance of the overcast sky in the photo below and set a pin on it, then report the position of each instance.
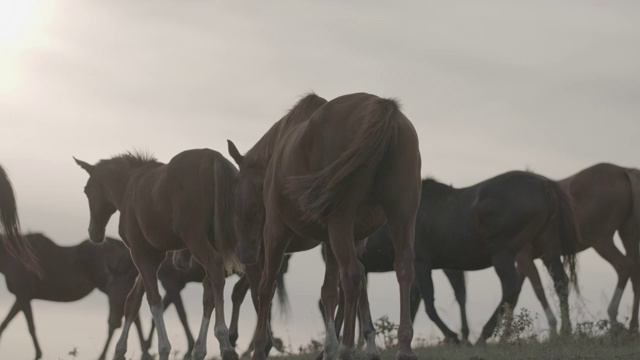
(491, 86)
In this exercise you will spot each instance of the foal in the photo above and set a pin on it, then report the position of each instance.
(71, 273)
(165, 207)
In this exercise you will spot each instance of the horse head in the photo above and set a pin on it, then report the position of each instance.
(249, 212)
(100, 205)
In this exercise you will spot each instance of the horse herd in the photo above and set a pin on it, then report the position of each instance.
(344, 174)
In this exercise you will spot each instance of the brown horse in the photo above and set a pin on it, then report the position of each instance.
(12, 241)
(165, 207)
(175, 273)
(71, 273)
(607, 199)
(331, 172)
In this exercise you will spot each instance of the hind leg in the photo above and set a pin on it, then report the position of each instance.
(457, 281)
(527, 268)
(15, 309)
(401, 221)
(611, 254)
(504, 265)
(630, 235)
(182, 315)
(330, 298)
(425, 284)
(561, 284)
(367, 329)
(28, 314)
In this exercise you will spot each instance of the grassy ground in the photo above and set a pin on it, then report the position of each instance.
(573, 349)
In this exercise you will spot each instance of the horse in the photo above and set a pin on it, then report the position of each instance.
(166, 207)
(607, 199)
(487, 224)
(12, 241)
(175, 273)
(71, 273)
(331, 172)
(378, 258)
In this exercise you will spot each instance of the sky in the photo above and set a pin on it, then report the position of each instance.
(490, 86)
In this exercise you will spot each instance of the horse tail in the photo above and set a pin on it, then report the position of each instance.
(225, 237)
(12, 240)
(320, 193)
(281, 290)
(568, 232)
(634, 180)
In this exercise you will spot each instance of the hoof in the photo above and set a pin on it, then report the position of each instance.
(257, 356)
(278, 345)
(373, 357)
(118, 357)
(230, 355)
(233, 338)
(406, 356)
(146, 356)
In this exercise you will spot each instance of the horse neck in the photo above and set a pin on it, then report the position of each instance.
(117, 186)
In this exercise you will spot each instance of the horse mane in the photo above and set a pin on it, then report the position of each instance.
(134, 158)
(263, 149)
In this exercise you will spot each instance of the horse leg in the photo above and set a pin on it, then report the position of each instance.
(213, 297)
(561, 284)
(237, 297)
(456, 279)
(504, 265)
(182, 315)
(143, 343)
(402, 225)
(341, 228)
(131, 309)
(166, 301)
(610, 253)
(527, 268)
(148, 261)
(330, 298)
(414, 301)
(28, 314)
(15, 309)
(368, 331)
(276, 239)
(630, 235)
(425, 285)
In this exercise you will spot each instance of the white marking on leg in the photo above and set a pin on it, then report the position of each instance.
(330, 342)
(222, 334)
(164, 347)
(200, 349)
(553, 323)
(615, 304)
(121, 346)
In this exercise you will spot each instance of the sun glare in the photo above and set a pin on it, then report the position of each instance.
(21, 22)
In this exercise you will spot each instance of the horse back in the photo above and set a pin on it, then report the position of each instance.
(603, 198)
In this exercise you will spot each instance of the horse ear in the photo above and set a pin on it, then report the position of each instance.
(235, 154)
(88, 167)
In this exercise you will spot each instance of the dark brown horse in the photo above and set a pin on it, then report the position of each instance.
(174, 277)
(183, 204)
(71, 273)
(331, 172)
(12, 241)
(607, 199)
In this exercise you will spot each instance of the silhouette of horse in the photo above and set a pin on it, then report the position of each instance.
(166, 207)
(486, 225)
(71, 273)
(330, 172)
(607, 199)
(174, 274)
(378, 258)
(12, 242)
